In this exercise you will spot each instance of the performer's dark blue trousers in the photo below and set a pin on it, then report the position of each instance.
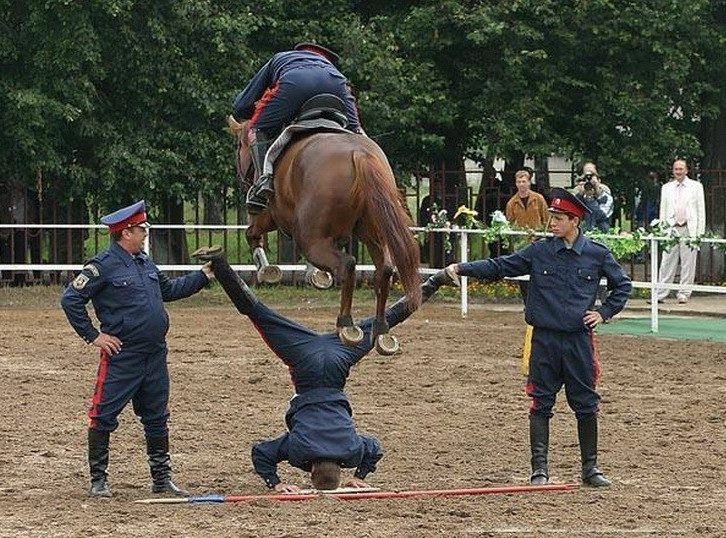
(298, 346)
(281, 103)
(142, 377)
(568, 358)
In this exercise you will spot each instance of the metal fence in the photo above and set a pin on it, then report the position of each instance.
(643, 269)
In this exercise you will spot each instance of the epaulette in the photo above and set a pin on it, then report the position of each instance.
(600, 244)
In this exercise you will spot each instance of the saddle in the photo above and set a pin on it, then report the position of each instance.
(323, 106)
(324, 112)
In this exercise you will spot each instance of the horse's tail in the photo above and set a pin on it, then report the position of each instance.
(387, 220)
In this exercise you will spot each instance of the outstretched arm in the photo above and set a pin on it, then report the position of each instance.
(401, 309)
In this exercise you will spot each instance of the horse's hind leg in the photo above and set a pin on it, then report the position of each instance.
(259, 226)
(323, 254)
(386, 344)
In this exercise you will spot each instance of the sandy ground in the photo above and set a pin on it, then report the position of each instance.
(450, 411)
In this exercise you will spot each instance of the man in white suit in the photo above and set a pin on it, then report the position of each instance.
(682, 204)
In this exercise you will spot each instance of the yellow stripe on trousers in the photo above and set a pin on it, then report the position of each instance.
(527, 351)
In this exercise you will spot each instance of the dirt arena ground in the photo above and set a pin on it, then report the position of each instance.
(450, 411)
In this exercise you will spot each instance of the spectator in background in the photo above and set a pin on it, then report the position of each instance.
(596, 219)
(647, 200)
(526, 209)
(603, 197)
(603, 194)
(683, 205)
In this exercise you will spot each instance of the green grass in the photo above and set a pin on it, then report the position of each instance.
(679, 328)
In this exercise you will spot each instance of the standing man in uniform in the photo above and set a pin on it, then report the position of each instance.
(564, 274)
(127, 291)
(321, 437)
(274, 97)
(682, 205)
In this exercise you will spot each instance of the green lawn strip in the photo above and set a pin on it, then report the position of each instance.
(680, 328)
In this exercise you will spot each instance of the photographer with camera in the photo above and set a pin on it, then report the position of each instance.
(603, 194)
(596, 219)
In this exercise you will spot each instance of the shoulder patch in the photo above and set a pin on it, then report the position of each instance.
(80, 282)
(92, 269)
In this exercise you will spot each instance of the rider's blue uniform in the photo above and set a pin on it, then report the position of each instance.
(276, 93)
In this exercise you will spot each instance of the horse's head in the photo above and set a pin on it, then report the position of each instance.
(240, 130)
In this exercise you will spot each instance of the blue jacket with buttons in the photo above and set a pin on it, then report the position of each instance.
(127, 293)
(563, 281)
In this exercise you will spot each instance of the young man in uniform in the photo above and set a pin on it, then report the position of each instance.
(321, 437)
(128, 291)
(564, 274)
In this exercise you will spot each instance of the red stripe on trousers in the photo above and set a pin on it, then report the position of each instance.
(529, 391)
(98, 390)
(595, 357)
(268, 96)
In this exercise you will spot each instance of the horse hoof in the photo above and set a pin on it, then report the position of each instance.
(270, 274)
(321, 280)
(387, 344)
(351, 336)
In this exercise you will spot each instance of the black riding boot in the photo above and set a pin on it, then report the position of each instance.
(157, 448)
(587, 434)
(236, 288)
(98, 462)
(539, 440)
(263, 187)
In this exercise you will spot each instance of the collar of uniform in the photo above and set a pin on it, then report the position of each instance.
(577, 246)
(121, 253)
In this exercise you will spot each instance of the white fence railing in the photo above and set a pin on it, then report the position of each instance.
(463, 236)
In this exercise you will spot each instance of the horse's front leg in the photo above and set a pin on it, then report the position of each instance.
(255, 234)
(386, 343)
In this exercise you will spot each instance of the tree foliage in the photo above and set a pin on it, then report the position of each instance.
(121, 99)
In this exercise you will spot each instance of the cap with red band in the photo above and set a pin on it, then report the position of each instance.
(133, 215)
(562, 201)
(319, 49)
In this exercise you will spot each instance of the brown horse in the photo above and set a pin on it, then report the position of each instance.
(330, 187)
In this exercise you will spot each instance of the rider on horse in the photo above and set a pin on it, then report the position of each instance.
(274, 96)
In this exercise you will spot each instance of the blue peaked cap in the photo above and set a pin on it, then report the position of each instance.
(133, 215)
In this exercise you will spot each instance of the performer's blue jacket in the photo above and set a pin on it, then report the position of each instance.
(127, 293)
(563, 281)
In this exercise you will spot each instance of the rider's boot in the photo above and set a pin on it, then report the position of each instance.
(263, 187)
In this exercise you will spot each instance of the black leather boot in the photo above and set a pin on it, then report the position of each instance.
(263, 187)
(157, 448)
(539, 441)
(236, 288)
(587, 434)
(98, 462)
